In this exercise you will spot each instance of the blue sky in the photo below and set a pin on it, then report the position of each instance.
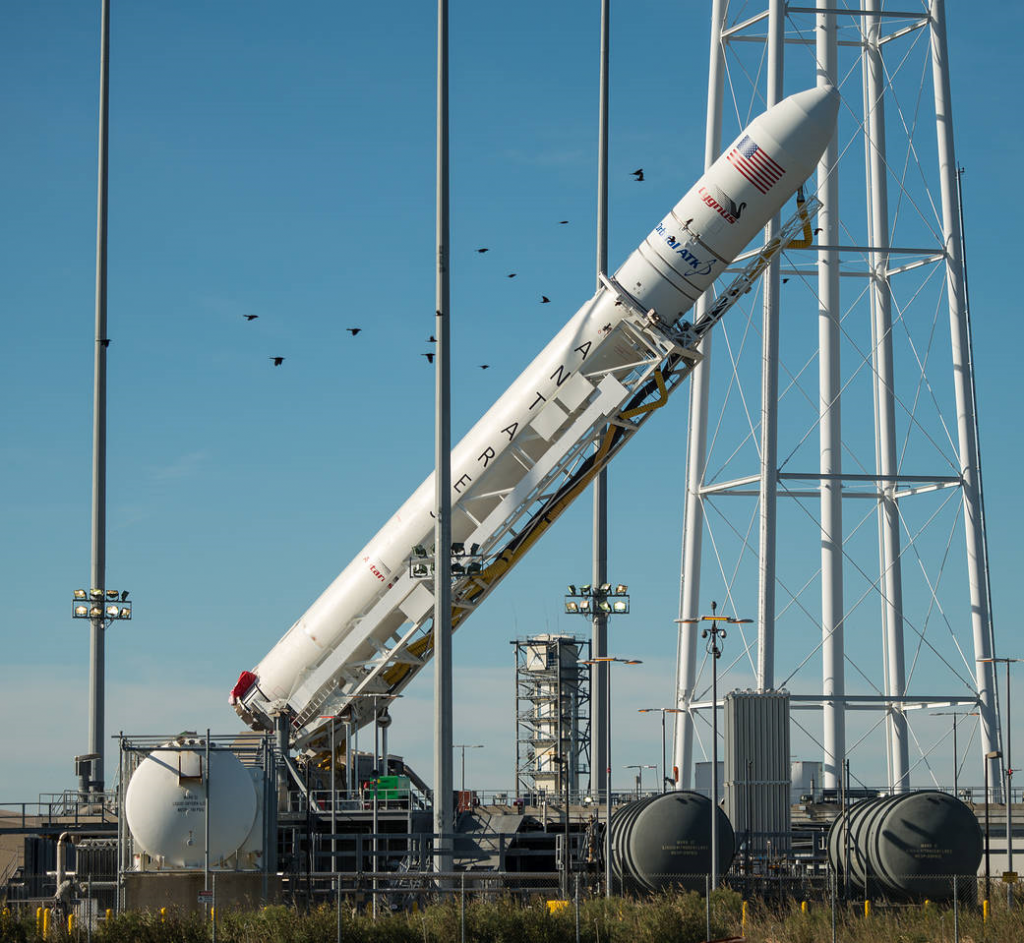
(280, 162)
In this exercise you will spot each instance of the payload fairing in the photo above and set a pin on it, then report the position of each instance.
(626, 345)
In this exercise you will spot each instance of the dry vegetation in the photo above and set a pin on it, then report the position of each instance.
(678, 918)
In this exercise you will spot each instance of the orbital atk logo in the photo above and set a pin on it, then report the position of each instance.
(698, 266)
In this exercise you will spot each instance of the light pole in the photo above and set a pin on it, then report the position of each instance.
(464, 747)
(663, 711)
(608, 661)
(640, 775)
(101, 607)
(334, 791)
(954, 715)
(713, 634)
(994, 755)
(598, 601)
(1008, 797)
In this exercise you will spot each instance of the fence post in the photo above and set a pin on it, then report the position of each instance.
(213, 909)
(576, 900)
(833, 879)
(462, 907)
(956, 912)
(707, 904)
(88, 923)
(337, 904)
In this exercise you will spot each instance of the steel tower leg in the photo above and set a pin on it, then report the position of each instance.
(599, 575)
(444, 815)
(696, 452)
(963, 384)
(97, 669)
(770, 395)
(830, 439)
(885, 433)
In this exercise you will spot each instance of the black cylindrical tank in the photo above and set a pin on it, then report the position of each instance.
(907, 846)
(665, 842)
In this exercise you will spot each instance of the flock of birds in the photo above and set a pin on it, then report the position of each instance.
(638, 176)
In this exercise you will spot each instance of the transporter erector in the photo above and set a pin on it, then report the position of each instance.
(566, 415)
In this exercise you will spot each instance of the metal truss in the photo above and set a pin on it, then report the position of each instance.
(860, 447)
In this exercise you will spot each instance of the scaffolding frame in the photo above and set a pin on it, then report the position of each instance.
(552, 714)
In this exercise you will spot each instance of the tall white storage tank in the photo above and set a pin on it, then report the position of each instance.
(757, 770)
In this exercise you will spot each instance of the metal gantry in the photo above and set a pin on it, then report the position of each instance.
(869, 473)
(552, 711)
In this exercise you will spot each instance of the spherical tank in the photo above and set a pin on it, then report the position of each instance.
(665, 842)
(909, 845)
(165, 804)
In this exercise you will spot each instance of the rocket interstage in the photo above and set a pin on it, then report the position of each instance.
(357, 622)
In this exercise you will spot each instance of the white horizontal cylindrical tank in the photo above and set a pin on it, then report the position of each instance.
(165, 804)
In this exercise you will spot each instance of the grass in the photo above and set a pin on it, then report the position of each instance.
(668, 918)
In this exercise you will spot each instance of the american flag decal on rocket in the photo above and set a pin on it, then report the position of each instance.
(755, 164)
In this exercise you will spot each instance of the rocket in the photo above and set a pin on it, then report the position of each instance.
(677, 262)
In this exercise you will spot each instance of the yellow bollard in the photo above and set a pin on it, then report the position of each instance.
(39, 920)
(46, 923)
(867, 908)
(71, 924)
(211, 914)
(803, 906)
(163, 915)
(743, 917)
(984, 911)
(109, 914)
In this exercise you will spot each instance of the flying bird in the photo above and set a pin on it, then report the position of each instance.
(544, 299)
(431, 339)
(277, 361)
(250, 317)
(105, 341)
(511, 274)
(818, 230)
(785, 280)
(562, 222)
(482, 251)
(430, 357)
(353, 330)
(484, 366)
(639, 174)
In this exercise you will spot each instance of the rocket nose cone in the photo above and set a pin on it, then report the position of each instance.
(821, 105)
(803, 124)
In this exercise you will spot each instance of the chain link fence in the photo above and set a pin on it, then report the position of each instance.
(486, 905)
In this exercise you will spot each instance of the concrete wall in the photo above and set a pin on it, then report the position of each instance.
(179, 890)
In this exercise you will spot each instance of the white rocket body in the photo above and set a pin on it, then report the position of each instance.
(668, 272)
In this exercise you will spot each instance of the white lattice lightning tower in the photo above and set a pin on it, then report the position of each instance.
(833, 486)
